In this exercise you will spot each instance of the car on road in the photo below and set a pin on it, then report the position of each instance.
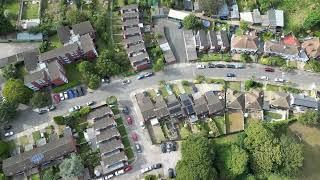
(180, 25)
(264, 78)
(109, 176)
(141, 76)
(231, 75)
(65, 94)
(134, 136)
(90, 103)
(7, 127)
(171, 173)
(42, 111)
(230, 66)
(138, 148)
(105, 80)
(51, 108)
(220, 66)
(157, 166)
(61, 96)
(210, 65)
(148, 74)
(268, 69)
(8, 134)
(126, 81)
(201, 66)
(125, 110)
(70, 94)
(129, 120)
(145, 170)
(75, 108)
(280, 80)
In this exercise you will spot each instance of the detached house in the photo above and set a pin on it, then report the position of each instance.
(248, 43)
(302, 102)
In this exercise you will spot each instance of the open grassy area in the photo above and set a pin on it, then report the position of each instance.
(271, 87)
(73, 76)
(55, 42)
(234, 85)
(221, 124)
(30, 10)
(310, 139)
(35, 177)
(122, 130)
(234, 122)
(229, 139)
(119, 121)
(13, 7)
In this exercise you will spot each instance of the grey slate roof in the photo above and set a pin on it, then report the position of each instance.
(58, 52)
(280, 100)
(235, 100)
(133, 39)
(83, 28)
(99, 112)
(129, 7)
(254, 100)
(203, 38)
(130, 22)
(132, 31)
(111, 160)
(215, 104)
(103, 123)
(213, 41)
(31, 60)
(136, 48)
(138, 58)
(34, 76)
(225, 39)
(54, 69)
(187, 104)
(130, 15)
(174, 106)
(107, 147)
(28, 160)
(190, 45)
(160, 107)
(200, 105)
(304, 101)
(146, 106)
(107, 134)
(63, 34)
(87, 43)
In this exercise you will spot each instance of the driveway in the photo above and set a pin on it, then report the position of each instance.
(175, 38)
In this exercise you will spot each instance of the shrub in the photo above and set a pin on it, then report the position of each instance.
(59, 120)
(248, 84)
(85, 110)
(185, 83)
(200, 78)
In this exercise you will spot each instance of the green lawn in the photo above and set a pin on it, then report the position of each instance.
(119, 121)
(129, 153)
(234, 85)
(163, 91)
(125, 142)
(35, 177)
(74, 78)
(229, 139)
(55, 42)
(271, 87)
(36, 135)
(273, 115)
(175, 89)
(13, 7)
(30, 11)
(122, 130)
(221, 124)
(117, 38)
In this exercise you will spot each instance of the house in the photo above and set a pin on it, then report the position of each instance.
(218, 41)
(30, 60)
(279, 100)
(114, 162)
(129, 8)
(188, 5)
(87, 47)
(200, 106)
(113, 147)
(235, 100)
(254, 100)
(302, 102)
(174, 107)
(37, 80)
(160, 108)
(136, 49)
(132, 31)
(104, 123)
(146, 106)
(140, 61)
(130, 23)
(130, 15)
(273, 19)
(190, 44)
(312, 47)
(64, 34)
(107, 135)
(83, 28)
(177, 15)
(164, 45)
(215, 102)
(133, 40)
(289, 52)
(56, 73)
(248, 43)
(234, 13)
(100, 112)
(42, 155)
(202, 42)
(188, 107)
(253, 17)
(66, 54)
(213, 41)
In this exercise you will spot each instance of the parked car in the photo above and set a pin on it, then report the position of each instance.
(74, 108)
(201, 66)
(80, 91)
(264, 78)
(8, 134)
(117, 173)
(231, 75)
(66, 95)
(134, 136)
(141, 76)
(75, 93)
(171, 173)
(7, 127)
(280, 80)
(180, 25)
(231, 66)
(157, 166)
(42, 111)
(70, 94)
(269, 69)
(220, 66)
(125, 110)
(90, 103)
(126, 81)
(148, 74)
(128, 168)
(129, 120)
(145, 170)
(138, 148)
(210, 65)
(163, 148)
(109, 176)
(105, 80)
(61, 96)
(51, 108)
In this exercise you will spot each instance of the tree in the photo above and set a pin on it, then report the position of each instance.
(210, 7)
(265, 4)
(71, 167)
(312, 20)
(197, 159)
(74, 16)
(40, 99)
(159, 65)
(248, 84)
(7, 111)
(85, 110)
(85, 68)
(150, 177)
(244, 26)
(16, 92)
(10, 71)
(94, 81)
(5, 25)
(314, 65)
(185, 132)
(59, 120)
(106, 66)
(191, 22)
(49, 174)
(232, 161)
(288, 67)
(245, 58)
(310, 118)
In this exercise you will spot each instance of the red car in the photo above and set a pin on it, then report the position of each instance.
(129, 120)
(56, 98)
(128, 168)
(269, 69)
(134, 136)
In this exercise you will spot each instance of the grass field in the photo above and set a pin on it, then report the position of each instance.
(310, 138)
(30, 11)
(234, 122)
(234, 85)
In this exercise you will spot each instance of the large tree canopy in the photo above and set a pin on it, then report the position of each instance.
(191, 22)
(5, 25)
(197, 159)
(71, 168)
(16, 92)
(7, 111)
(40, 99)
(210, 7)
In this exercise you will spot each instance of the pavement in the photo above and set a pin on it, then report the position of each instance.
(9, 49)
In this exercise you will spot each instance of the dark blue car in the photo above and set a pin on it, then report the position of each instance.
(70, 94)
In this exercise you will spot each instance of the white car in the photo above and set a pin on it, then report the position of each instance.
(77, 108)
(145, 170)
(61, 96)
(90, 103)
(65, 95)
(279, 80)
(126, 81)
(109, 176)
(8, 134)
(118, 173)
(264, 78)
(201, 66)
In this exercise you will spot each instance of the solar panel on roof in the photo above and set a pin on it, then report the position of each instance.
(37, 158)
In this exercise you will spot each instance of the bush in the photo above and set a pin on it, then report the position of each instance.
(59, 120)
(248, 84)
(200, 78)
(245, 58)
(185, 83)
(111, 100)
(84, 111)
(273, 61)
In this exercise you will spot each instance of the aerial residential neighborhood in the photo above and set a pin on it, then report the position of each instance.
(184, 89)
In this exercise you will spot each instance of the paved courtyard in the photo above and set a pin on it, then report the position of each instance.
(9, 49)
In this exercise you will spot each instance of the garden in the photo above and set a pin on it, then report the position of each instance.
(30, 10)
(13, 8)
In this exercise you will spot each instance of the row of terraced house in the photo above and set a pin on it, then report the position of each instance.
(47, 68)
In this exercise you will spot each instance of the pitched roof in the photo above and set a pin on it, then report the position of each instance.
(100, 112)
(111, 160)
(129, 7)
(54, 69)
(190, 45)
(305, 101)
(254, 100)
(30, 60)
(133, 39)
(278, 47)
(312, 47)
(275, 18)
(63, 34)
(58, 52)
(280, 100)
(38, 75)
(202, 35)
(215, 103)
(235, 100)
(187, 104)
(139, 58)
(107, 134)
(213, 41)
(103, 123)
(86, 43)
(290, 40)
(224, 39)
(130, 15)
(107, 147)
(82, 28)
(245, 42)
(39, 155)
(200, 105)
(146, 106)
(130, 22)
(136, 48)
(132, 31)
(174, 106)
(160, 107)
